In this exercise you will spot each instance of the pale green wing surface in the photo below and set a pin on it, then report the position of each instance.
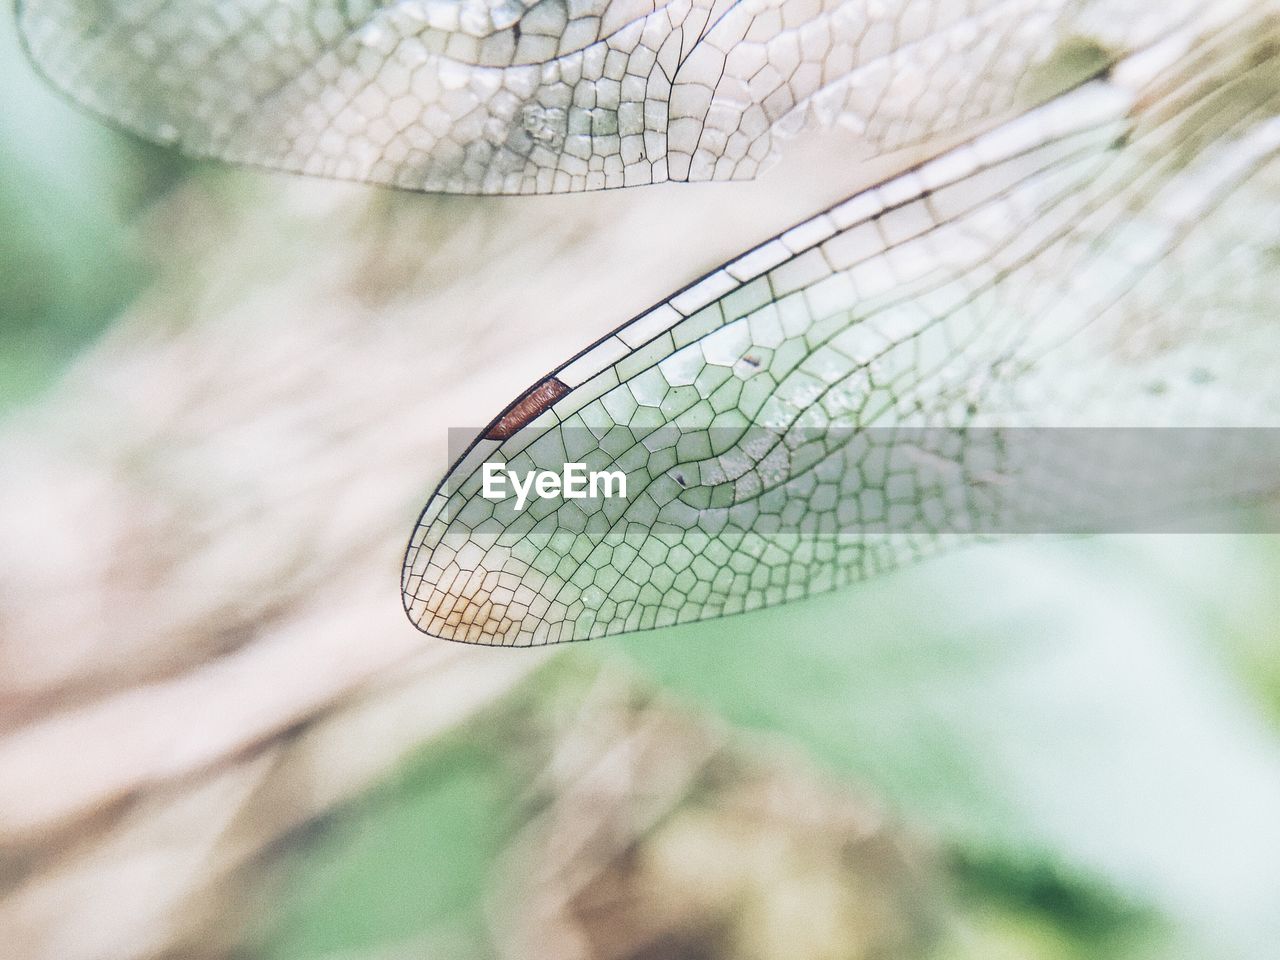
(1108, 259)
(541, 96)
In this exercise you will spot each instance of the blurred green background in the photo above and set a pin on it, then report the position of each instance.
(69, 198)
(1088, 731)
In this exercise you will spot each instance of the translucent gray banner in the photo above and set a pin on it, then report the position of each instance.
(842, 482)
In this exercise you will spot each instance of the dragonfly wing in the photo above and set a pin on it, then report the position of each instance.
(1044, 274)
(517, 96)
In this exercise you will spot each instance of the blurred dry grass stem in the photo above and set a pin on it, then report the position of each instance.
(219, 490)
(662, 837)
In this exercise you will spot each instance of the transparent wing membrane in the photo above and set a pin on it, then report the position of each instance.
(516, 96)
(1105, 260)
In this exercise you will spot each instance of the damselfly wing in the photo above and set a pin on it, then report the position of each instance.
(518, 96)
(1106, 260)
(1103, 257)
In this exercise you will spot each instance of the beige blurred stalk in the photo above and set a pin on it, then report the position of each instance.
(659, 835)
(201, 639)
